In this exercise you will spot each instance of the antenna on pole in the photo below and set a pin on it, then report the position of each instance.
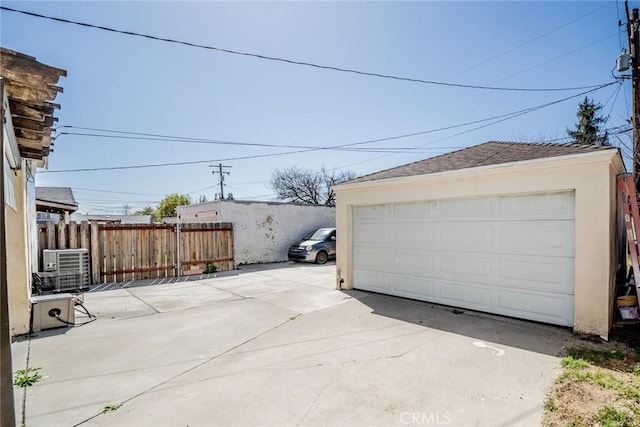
(222, 173)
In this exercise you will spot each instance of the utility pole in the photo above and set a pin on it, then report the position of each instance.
(222, 174)
(633, 31)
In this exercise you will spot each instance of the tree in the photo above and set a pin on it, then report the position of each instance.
(307, 186)
(589, 127)
(147, 210)
(169, 205)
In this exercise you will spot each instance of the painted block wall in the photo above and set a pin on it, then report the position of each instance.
(263, 231)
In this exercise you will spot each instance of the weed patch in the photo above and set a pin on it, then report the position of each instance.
(27, 377)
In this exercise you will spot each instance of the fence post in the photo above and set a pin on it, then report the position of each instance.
(178, 267)
(51, 236)
(84, 235)
(72, 231)
(62, 235)
(95, 252)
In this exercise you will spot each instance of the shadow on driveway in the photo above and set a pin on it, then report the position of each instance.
(527, 335)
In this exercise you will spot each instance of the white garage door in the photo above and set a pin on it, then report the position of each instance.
(509, 255)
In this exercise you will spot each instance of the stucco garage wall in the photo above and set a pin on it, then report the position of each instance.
(591, 176)
(263, 231)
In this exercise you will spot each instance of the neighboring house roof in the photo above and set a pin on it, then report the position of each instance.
(120, 219)
(489, 153)
(30, 87)
(247, 202)
(55, 199)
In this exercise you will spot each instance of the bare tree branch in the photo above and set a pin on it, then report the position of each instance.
(307, 186)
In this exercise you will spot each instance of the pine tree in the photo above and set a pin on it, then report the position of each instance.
(589, 127)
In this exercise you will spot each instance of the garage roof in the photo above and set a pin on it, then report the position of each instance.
(489, 153)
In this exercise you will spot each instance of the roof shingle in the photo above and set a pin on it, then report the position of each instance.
(489, 153)
(63, 195)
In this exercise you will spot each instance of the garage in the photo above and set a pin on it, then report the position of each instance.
(516, 229)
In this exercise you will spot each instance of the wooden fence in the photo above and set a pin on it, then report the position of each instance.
(124, 252)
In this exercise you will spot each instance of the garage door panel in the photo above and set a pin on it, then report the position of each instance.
(414, 263)
(373, 281)
(537, 206)
(413, 236)
(556, 309)
(465, 208)
(464, 236)
(370, 212)
(464, 267)
(554, 275)
(464, 295)
(373, 259)
(536, 238)
(408, 211)
(412, 287)
(372, 235)
(510, 255)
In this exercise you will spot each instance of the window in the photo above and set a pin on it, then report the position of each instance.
(9, 191)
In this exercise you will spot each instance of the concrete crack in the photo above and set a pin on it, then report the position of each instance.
(189, 370)
(320, 393)
(141, 300)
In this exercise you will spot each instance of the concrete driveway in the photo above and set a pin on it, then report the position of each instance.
(279, 346)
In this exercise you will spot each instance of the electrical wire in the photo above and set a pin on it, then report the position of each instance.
(537, 38)
(619, 23)
(501, 117)
(461, 133)
(615, 97)
(289, 61)
(563, 55)
(115, 192)
(234, 143)
(92, 318)
(171, 138)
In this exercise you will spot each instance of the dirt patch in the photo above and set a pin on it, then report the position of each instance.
(597, 387)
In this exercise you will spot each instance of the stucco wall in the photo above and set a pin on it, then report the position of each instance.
(263, 231)
(591, 176)
(17, 257)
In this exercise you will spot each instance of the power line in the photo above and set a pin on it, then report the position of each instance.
(167, 138)
(536, 38)
(501, 118)
(619, 23)
(522, 112)
(288, 61)
(563, 55)
(116, 192)
(306, 148)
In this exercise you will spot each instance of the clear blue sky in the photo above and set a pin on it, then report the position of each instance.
(125, 83)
